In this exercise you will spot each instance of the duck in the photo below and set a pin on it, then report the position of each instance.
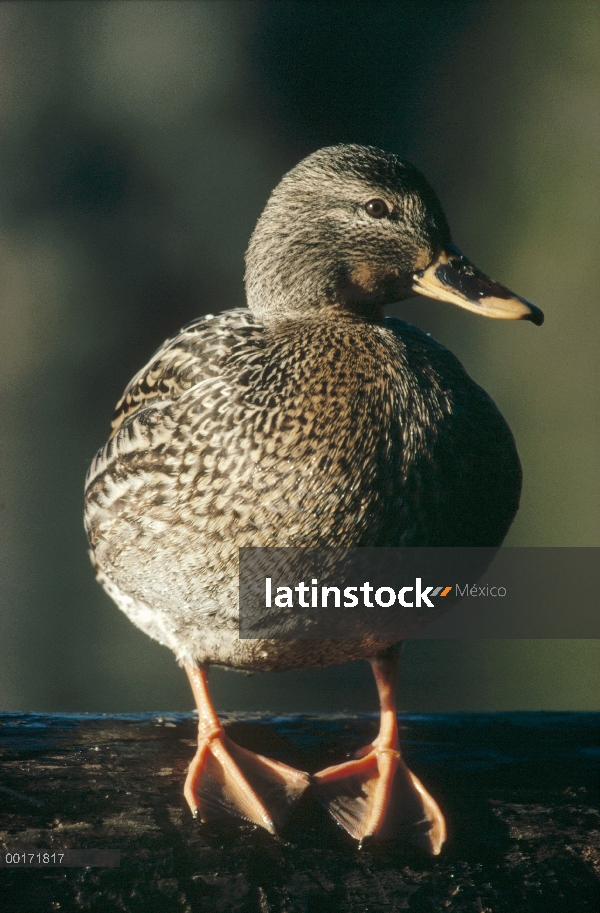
(308, 419)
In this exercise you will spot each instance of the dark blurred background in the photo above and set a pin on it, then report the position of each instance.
(138, 145)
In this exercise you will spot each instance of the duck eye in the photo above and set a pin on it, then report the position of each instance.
(377, 208)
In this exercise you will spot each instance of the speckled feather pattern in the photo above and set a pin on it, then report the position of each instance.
(309, 432)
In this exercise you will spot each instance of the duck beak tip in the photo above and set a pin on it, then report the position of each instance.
(535, 315)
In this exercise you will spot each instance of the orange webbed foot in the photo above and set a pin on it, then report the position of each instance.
(225, 780)
(375, 795)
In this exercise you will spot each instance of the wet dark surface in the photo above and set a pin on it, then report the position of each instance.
(520, 792)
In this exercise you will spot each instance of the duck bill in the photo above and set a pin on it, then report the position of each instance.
(451, 277)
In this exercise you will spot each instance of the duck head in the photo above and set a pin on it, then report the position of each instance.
(351, 229)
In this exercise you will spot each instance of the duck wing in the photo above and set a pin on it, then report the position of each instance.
(142, 455)
(195, 354)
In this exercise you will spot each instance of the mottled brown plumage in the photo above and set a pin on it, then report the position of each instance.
(308, 419)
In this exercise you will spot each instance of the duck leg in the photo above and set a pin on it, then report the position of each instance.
(375, 794)
(226, 780)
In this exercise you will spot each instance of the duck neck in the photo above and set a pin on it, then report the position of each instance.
(287, 294)
(366, 311)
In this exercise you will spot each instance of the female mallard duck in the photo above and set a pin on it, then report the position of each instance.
(308, 419)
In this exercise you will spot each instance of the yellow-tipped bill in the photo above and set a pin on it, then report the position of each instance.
(451, 277)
